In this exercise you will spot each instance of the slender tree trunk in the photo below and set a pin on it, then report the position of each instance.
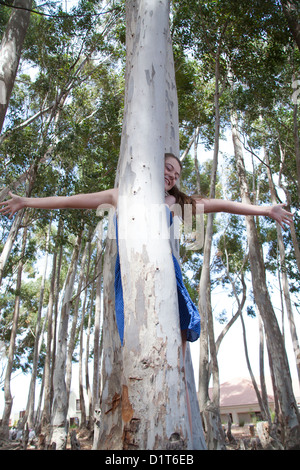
(257, 392)
(292, 13)
(10, 241)
(98, 312)
(59, 426)
(10, 52)
(83, 420)
(86, 364)
(4, 429)
(288, 198)
(264, 395)
(29, 415)
(288, 405)
(210, 411)
(285, 281)
(46, 414)
(264, 412)
(74, 327)
(296, 137)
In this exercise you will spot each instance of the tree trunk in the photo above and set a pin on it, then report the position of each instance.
(296, 136)
(59, 427)
(51, 334)
(210, 411)
(284, 277)
(154, 413)
(47, 368)
(288, 405)
(264, 394)
(98, 312)
(288, 198)
(30, 409)
(126, 420)
(108, 417)
(10, 52)
(83, 420)
(4, 430)
(10, 241)
(87, 355)
(73, 331)
(292, 13)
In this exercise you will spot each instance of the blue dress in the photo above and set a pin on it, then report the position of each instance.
(188, 312)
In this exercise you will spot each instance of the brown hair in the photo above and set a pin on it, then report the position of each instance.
(180, 197)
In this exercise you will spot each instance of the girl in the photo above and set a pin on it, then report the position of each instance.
(190, 320)
(173, 196)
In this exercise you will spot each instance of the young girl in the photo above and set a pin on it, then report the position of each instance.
(173, 196)
(190, 321)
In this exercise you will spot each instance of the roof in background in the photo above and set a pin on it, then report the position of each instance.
(239, 392)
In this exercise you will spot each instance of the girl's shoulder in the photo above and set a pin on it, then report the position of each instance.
(170, 200)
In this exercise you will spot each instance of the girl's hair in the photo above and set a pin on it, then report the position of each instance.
(180, 197)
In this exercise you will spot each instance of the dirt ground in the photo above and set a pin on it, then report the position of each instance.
(243, 440)
(84, 441)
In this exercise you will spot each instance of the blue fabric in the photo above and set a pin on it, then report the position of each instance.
(188, 313)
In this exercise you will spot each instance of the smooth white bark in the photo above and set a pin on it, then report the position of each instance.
(10, 52)
(153, 392)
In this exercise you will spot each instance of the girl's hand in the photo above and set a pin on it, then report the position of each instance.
(278, 213)
(11, 206)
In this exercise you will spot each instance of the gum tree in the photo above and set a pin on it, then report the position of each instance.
(144, 399)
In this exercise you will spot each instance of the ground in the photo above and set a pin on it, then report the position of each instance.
(242, 440)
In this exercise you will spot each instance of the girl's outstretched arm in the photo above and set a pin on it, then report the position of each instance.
(78, 201)
(276, 212)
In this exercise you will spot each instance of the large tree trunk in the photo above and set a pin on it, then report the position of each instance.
(154, 411)
(10, 52)
(130, 416)
(288, 406)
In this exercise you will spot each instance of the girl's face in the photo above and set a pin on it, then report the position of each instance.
(172, 172)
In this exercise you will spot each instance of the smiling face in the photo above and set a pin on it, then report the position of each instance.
(172, 172)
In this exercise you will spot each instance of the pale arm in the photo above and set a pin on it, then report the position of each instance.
(276, 212)
(78, 201)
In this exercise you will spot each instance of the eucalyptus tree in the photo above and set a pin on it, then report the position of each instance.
(150, 356)
(10, 51)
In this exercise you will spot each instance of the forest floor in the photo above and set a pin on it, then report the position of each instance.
(242, 439)
(84, 440)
